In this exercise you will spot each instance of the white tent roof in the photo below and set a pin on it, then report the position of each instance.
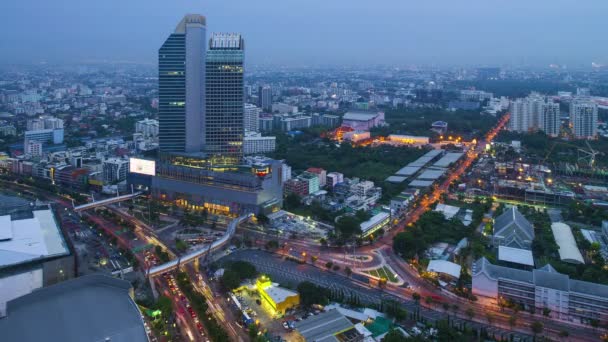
(446, 267)
(568, 250)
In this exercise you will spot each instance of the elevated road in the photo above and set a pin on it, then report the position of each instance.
(106, 201)
(221, 242)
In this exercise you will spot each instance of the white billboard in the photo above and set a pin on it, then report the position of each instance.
(142, 166)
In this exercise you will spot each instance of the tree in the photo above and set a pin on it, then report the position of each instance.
(594, 323)
(348, 271)
(537, 328)
(546, 312)
(446, 306)
(490, 317)
(272, 245)
(416, 297)
(564, 333)
(328, 265)
(230, 280)
(347, 226)
(244, 269)
(512, 321)
(395, 336)
(312, 294)
(470, 313)
(253, 331)
(292, 201)
(181, 245)
(428, 300)
(263, 219)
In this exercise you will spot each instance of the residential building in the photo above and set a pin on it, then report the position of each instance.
(296, 186)
(326, 120)
(512, 229)
(251, 121)
(115, 170)
(255, 143)
(283, 108)
(225, 102)
(181, 87)
(266, 124)
(550, 117)
(265, 97)
(7, 130)
(334, 178)
(567, 299)
(288, 123)
(583, 119)
(322, 174)
(53, 136)
(147, 127)
(312, 180)
(33, 148)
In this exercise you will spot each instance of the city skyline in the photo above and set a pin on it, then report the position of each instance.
(398, 33)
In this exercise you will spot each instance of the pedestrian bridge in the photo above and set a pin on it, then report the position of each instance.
(221, 242)
(107, 201)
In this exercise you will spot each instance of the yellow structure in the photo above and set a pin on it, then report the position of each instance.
(278, 298)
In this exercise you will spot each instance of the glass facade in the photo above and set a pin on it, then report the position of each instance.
(172, 93)
(224, 99)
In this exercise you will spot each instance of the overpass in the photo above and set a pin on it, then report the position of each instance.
(175, 263)
(107, 201)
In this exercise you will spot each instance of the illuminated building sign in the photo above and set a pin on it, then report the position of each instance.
(142, 166)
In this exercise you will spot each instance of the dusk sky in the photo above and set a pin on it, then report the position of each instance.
(315, 32)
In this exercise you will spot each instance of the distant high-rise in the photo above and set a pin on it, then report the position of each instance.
(550, 118)
(520, 116)
(225, 98)
(583, 118)
(265, 97)
(252, 118)
(181, 87)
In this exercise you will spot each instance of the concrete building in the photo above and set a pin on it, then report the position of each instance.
(33, 148)
(334, 178)
(34, 253)
(251, 121)
(115, 170)
(329, 326)
(312, 180)
(512, 229)
(363, 121)
(279, 299)
(379, 221)
(181, 87)
(322, 174)
(283, 108)
(296, 186)
(550, 117)
(288, 123)
(568, 250)
(583, 119)
(45, 136)
(147, 127)
(89, 308)
(326, 120)
(255, 143)
(265, 97)
(568, 299)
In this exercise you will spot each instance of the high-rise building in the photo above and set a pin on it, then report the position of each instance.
(583, 118)
(550, 118)
(251, 120)
(115, 170)
(181, 87)
(265, 97)
(225, 98)
(147, 127)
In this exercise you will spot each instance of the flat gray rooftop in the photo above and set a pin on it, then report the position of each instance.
(89, 308)
(323, 327)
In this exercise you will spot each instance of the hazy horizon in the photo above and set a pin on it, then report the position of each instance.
(339, 32)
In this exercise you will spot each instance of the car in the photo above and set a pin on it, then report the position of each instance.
(285, 325)
(258, 302)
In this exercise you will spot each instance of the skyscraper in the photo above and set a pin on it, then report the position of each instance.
(583, 118)
(550, 118)
(252, 118)
(225, 98)
(181, 87)
(520, 116)
(265, 97)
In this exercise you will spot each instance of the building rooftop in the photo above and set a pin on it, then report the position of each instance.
(279, 294)
(324, 327)
(512, 224)
(359, 116)
(448, 159)
(30, 239)
(568, 250)
(89, 308)
(369, 224)
(515, 255)
(445, 267)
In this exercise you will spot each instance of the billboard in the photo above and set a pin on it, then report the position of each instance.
(142, 166)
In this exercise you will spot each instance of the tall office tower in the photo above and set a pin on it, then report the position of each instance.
(265, 97)
(181, 87)
(583, 118)
(225, 98)
(520, 116)
(252, 118)
(550, 118)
